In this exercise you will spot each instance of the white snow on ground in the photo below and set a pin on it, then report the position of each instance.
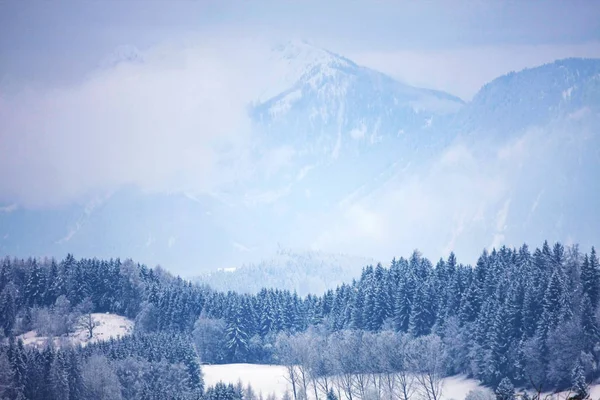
(263, 378)
(110, 326)
(271, 379)
(594, 394)
(457, 387)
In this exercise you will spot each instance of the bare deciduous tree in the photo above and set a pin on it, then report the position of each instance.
(283, 347)
(88, 323)
(428, 364)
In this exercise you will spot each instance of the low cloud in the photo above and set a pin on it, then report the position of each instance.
(457, 203)
(175, 121)
(8, 209)
(473, 196)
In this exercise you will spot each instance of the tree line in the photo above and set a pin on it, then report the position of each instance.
(527, 316)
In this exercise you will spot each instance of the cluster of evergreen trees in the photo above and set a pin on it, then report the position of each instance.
(142, 366)
(531, 317)
(520, 314)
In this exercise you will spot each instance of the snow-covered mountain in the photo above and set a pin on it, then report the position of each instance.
(533, 97)
(344, 123)
(339, 147)
(332, 105)
(546, 122)
(522, 166)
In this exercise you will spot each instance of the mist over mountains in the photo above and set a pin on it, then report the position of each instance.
(304, 272)
(344, 159)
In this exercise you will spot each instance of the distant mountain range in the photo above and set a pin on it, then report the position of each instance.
(353, 141)
(533, 97)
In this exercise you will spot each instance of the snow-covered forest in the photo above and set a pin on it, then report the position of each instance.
(305, 272)
(519, 317)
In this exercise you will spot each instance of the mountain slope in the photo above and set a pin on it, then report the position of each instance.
(347, 160)
(343, 123)
(336, 105)
(533, 97)
(514, 170)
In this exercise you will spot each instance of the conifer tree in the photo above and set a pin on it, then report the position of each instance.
(505, 390)
(553, 304)
(236, 337)
(469, 307)
(500, 339)
(331, 395)
(589, 325)
(403, 307)
(421, 318)
(33, 287)
(590, 277)
(358, 307)
(579, 385)
(8, 311)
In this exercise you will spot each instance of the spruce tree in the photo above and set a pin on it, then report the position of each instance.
(505, 390)
(589, 325)
(75, 378)
(589, 281)
(331, 395)
(553, 304)
(267, 320)
(403, 307)
(578, 384)
(358, 307)
(590, 277)
(8, 311)
(33, 289)
(500, 339)
(18, 360)
(236, 337)
(469, 307)
(421, 318)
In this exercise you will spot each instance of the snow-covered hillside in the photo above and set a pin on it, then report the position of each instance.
(301, 271)
(108, 326)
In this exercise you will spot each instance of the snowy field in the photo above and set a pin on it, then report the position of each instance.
(110, 326)
(270, 379)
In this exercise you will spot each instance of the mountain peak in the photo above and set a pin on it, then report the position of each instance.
(306, 52)
(292, 60)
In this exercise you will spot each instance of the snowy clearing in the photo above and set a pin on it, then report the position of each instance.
(270, 379)
(263, 378)
(109, 326)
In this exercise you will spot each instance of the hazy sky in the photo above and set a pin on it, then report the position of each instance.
(453, 45)
(204, 61)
